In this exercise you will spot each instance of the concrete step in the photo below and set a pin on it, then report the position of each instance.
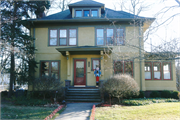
(83, 94)
(83, 91)
(83, 97)
(83, 100)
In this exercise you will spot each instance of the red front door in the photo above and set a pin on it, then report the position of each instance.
(80, 72)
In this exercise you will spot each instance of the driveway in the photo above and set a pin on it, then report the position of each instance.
(76, 111)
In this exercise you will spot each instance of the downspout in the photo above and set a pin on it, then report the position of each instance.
(140, 55)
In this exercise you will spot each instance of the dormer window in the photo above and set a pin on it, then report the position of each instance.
(86, 13)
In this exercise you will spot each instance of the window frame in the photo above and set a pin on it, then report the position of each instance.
(108, 37)
(92, 63)
(72, 37)
(169, 70)
(120, 37)
(63, 37)
(160, 71)
(150, 70)
(50, 67)
(50, 37)
(97, 37)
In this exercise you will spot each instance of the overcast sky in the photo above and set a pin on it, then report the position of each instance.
(167, 32)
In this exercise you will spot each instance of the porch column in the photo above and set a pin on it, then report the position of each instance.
(68, 65)
(102, 64)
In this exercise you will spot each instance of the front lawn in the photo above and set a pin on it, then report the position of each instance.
(26, 112)
(157, 111)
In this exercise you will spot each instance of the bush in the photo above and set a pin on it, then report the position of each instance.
(166, 94)
(174, 94)
(121, 86)
(141, 94)
(155, 94)
(138, 102)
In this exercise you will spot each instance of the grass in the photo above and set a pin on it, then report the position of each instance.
(157, 111)
(26, 112)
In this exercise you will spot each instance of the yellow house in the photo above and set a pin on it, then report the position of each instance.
(71, 43)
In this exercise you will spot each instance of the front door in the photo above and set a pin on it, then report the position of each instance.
(80, 72)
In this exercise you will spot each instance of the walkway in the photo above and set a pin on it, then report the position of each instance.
(76, 111)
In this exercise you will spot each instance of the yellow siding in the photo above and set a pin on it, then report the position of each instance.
(86, 36)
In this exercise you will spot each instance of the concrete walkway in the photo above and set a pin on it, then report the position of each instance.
(76, 111)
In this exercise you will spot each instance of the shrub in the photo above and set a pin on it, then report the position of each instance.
(166, 94)
(46, 84)
(174, 94)
(120, 86)
(141, 94)
(155, 94)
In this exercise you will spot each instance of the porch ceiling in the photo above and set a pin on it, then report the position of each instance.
(84, 50)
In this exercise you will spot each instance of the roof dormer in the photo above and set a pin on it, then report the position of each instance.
(86, 9)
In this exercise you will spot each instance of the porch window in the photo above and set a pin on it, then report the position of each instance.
(53, 38)
(50, 68)
(120, 36)
(62, 37)
(167, 71)
(72, 37)
(147, 69)
(157, 71)
(100, 36)
(94, 62)
(110, 40)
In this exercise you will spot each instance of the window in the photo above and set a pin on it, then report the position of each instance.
(123, 67)
(147, 69)
(78, 13)
(157, 70)
(94, 13)
(118, 67)
(50, 68)
(110, 39)
(94, 62)
(86, 13)
(72, 37)
(53, 38)
(166, 71)
(62, 37)
(120, 36)
(100, 36)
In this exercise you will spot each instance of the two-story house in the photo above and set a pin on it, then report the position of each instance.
(71, 43)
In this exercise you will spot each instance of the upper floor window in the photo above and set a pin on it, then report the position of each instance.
(100, 36)
(53, 37)
(94, 13)
(110, 40)
(120, 36)
(62, 37)
(86, 13)
(78, 13)
(72, 37)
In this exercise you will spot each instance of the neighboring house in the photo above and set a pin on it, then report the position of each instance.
(71, 43)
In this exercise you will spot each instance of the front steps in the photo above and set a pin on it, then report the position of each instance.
(83, 94)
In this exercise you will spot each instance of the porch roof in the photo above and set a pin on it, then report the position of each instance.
(84, 50)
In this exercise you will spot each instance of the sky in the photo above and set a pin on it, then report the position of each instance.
(165, 33)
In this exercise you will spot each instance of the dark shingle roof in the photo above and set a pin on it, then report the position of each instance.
(86, 3)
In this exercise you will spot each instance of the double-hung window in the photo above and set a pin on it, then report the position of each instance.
(157, 70)
(110, 40)
(120, 36)
(100, 36)
(148, 70)
(167, 71)
(50, 68)
(121, 67)
(53, 38)
(72, 37)
(62, 37)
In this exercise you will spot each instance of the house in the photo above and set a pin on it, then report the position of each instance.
(71, 43)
